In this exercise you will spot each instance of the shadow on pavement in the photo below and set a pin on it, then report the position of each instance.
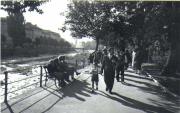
(76, 89)
(172, 104)
(135, 104)
(35, 103)
(18, 101)
(149, 88)
(9, 107)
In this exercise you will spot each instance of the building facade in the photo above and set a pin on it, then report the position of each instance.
(32, 32)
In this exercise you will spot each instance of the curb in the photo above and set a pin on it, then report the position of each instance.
(164, 88)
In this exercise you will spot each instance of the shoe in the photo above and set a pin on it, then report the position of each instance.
(110, 91)
(96, 88)
(92, 91)
(106, 89)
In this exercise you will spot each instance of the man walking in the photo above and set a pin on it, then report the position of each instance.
(120, 66)
(108, 67)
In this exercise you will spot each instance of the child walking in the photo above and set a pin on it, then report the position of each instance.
(95, 77)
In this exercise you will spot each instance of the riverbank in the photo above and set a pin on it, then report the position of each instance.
(40, 55)
(31, 51)
(9, 63)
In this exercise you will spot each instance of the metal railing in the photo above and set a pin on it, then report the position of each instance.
(6, 83)
(78, 63)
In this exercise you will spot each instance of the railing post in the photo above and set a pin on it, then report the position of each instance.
(46, 76)
(6, 86)
(40, 76)
(76, 63)
(83, 62)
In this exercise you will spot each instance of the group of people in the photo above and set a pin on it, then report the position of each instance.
(109, 62)
(58, 68)
(112, 65)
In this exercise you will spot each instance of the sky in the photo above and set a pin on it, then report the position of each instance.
(51, 18)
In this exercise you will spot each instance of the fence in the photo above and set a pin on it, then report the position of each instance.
(78, 63)
(6, 83)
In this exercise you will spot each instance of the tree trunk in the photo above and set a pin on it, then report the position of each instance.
(173, 61)
(97, 44)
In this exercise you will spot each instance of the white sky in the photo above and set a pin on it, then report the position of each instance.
(50, 19)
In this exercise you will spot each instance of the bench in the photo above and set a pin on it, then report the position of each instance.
(60, 77)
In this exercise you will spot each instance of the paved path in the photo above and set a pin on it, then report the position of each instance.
(139, 94)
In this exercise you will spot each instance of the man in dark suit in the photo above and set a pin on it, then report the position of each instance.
(120, 65)
(108, 67)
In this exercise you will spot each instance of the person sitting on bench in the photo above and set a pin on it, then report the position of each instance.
(68, 69)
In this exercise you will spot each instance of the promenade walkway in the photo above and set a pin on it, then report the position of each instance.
(139, 94)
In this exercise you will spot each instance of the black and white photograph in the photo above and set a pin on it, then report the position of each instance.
(90, 56)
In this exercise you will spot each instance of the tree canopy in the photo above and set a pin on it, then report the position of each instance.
(22, 6)
(119, 23)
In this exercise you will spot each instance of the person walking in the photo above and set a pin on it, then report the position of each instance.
(91, 57)
(133, 58)
(95, 77)
(108, 67)
(138, 60)
(127, 59)
(120, 66)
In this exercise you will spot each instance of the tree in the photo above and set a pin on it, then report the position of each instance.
(169, 16)
(99, 20)
(87, 19)
(16, 22)
(118, 23)
(22, 6)
(158, 21)
(16, 28)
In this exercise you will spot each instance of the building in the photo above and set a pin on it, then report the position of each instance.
(32, 32)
